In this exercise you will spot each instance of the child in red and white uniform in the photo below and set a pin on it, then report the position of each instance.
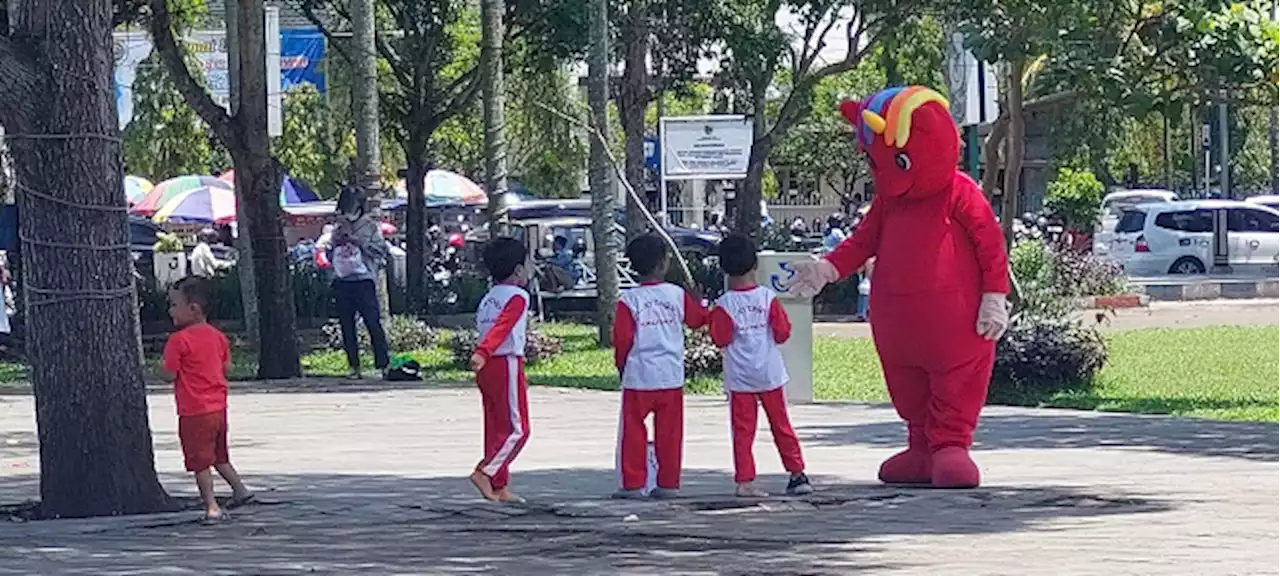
(499, 366)
(749, 323)
(648, 339)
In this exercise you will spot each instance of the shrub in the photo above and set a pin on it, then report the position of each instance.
(1074, 196)
(1044, 354)
(1030, 261)
(1064, 273)
(701, 357)
(403, 333)
(538, 347)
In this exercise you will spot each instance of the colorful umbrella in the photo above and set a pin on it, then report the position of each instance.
(170, 189)
(135, 188)
(213, 204)
(445, 187)
(292, 190)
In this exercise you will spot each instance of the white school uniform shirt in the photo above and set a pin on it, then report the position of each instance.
(656, 360)
(491, 307)
(752, 361)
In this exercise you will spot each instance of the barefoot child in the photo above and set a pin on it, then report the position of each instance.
(748, 322)
(499, 366)
(196, 359)
(648, 339)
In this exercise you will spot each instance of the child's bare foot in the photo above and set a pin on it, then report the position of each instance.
(506, 497)
(484, 485)
(749, 490)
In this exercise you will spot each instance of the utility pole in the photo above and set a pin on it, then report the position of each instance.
(1224, 152)
(244, 248)
(364, 100)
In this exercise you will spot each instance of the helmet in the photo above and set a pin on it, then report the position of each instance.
(457, 241)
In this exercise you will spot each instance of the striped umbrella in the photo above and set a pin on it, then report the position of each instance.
(442, 187)
(170, 189)
(135, 188)
(212, 204)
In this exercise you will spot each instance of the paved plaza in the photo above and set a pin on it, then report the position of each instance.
(375, 483)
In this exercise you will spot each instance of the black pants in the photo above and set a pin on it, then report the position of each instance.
(360, 297)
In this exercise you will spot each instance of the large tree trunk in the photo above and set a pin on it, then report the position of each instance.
(243, 243)
(491, 86)
(96, 455)
(1273, 140)
(364, 96)
(1015, 144)
(606, 259)
(415, 229)
(633, 100)
(251, 153)
(751, 190)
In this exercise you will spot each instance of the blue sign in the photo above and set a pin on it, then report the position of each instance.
(652, 160)
(302, 52)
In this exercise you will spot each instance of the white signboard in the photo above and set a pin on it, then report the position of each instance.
(705, 147)
(210, 49)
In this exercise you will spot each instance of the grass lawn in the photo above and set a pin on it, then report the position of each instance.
(1227, 373)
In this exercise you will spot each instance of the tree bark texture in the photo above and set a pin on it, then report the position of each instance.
(415, 224)
(606, 259)
(633, 99)
(277, 345)
(751, 190)
(492, 89)
(1016, 143)
(364, 92)
(1273, 139)
(96, 455)
(258, 175)
(243, 243)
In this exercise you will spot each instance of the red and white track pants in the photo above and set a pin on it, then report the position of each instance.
(504, 395)
(667, 407)
(743, 416)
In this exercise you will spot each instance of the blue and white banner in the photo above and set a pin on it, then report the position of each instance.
(302, 53)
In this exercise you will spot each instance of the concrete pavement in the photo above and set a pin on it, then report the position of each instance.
(374, 483)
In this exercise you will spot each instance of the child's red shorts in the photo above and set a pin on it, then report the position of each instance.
(204, 440)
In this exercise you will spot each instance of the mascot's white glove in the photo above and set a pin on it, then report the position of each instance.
(812, 276)
(993, 316)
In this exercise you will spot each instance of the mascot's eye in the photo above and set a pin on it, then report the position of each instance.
(902, 161)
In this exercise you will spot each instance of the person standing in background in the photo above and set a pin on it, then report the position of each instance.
(357, 251)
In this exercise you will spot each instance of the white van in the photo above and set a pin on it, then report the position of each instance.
(1272, 202)
(1177, 237)
(1114, 204)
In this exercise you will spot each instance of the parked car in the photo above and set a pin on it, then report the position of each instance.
(1272, 202)
(1177, 237)
(1114, 204)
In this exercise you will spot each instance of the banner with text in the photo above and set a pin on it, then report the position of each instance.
(705, 147)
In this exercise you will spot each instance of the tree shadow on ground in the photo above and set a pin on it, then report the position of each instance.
(1047, 429)
(382, 524)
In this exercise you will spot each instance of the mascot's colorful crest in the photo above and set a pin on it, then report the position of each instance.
(888, 113)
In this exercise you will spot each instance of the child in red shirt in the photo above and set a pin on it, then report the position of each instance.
(196, 359)
(498, 363)
(749, 323)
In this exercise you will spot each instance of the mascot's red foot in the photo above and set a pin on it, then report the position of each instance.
(953, 468)
(910, 466)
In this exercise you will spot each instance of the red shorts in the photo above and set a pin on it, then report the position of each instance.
(204, 440)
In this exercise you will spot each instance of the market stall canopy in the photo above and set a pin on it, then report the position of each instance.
(135, 188)
(165, 191)
(442, 187)
(211, 204)
(292, 190)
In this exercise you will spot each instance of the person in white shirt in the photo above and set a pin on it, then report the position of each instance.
(203, 263)
(749, 323)
(648, 340)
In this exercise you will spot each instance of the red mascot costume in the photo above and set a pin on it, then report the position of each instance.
(941, 276)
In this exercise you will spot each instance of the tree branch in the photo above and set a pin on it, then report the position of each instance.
(197, 97)
(459, 98)
(308, 10)
(19, 80)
